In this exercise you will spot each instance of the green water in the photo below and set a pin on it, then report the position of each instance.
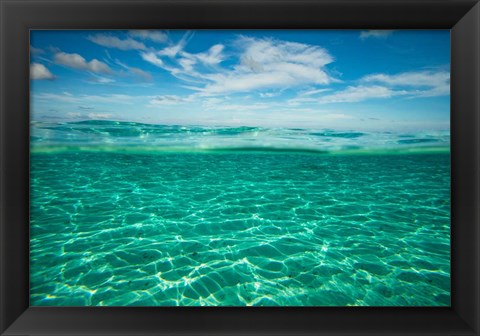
(238, 227)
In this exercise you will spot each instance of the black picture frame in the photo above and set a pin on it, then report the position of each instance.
(17, 17)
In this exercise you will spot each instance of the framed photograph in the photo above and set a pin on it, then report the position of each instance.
(227, 167)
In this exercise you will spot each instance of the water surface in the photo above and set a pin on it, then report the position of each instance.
(127, 214)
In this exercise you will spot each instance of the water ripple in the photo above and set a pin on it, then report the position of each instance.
(237, 229)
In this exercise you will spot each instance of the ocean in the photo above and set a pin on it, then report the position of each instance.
(130, 214)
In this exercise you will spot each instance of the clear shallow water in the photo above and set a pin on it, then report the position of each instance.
(172, 221)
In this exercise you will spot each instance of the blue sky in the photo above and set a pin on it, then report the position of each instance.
(346, 79)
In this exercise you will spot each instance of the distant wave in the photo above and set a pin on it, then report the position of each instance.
(122, 128)
(105, 135)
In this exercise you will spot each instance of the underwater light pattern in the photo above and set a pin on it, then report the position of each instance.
(126, 214)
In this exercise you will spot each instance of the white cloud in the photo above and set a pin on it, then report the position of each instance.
(175, 60)
(152, 58)
(420, 78)
(269, 51)
(174, 49)
(268, 63)
(209, 103)
(428, 83)
(359, 93)
(76, 61)
(153, 35)
(101, 80)
(269, 94)
(443, 90)
(375, 34)
(109, 98)
(241, 82)
(262, 64)
(144, 75)
(301, 100)
(40, 71)
(170, 100)
(308, 96)
(82, 116)
(187, 63)
(36, 51)
(115, 42)
(212, 56)
(100, 115)
(69, 98)
(64, 97)
(407, 84)
(313, 92)
(171, 51)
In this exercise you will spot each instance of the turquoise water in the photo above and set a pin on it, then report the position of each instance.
(126, 214)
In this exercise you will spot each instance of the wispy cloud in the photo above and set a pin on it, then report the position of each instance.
(428, 83)
(182, 64)
(170, 100)
(413, 84)
(191, 67)
(269, 63)
(261, 64)
(174, 49)
(110, 41)
(376, 34)
(76, 61)
(40, 71)
(136, 72)
(272, 64)
(419, 78)
(212, 56)
(245, 107)
(36, 51)
(99, 115)
(64, 97)
(69, 98)
(152, 58)
(269, 94)
(108, 98)
(84, 116)
(153, 35)
(359, 93)
(314, 92)
(96, 79)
